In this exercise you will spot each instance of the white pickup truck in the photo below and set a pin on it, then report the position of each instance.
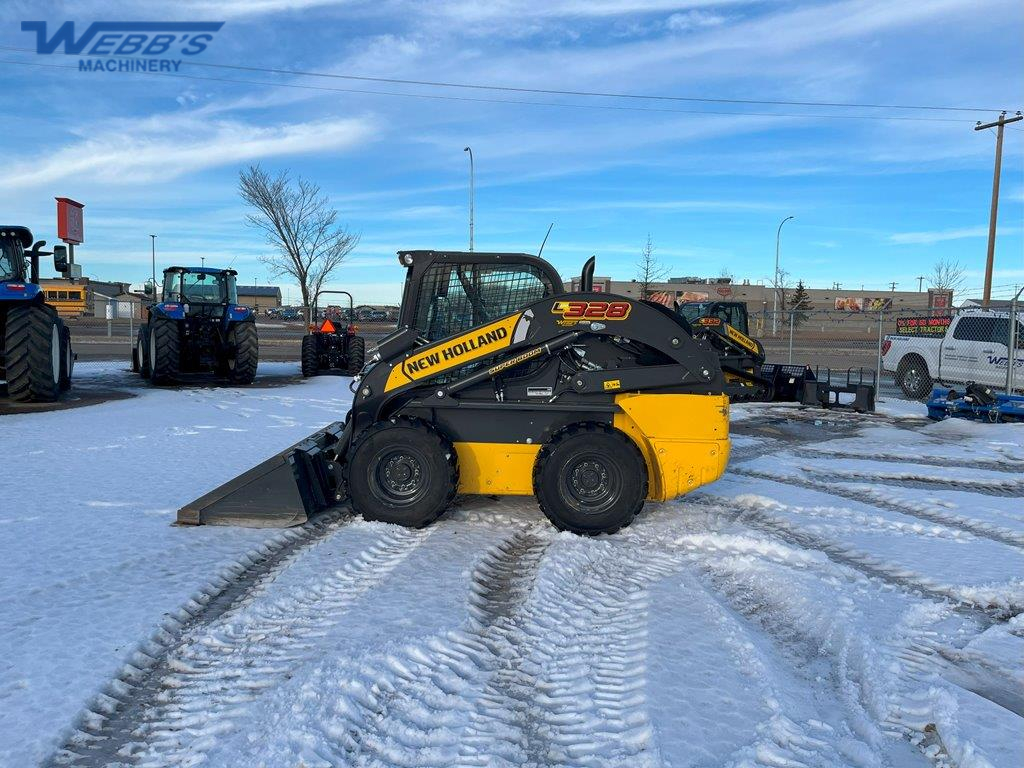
(972, 346)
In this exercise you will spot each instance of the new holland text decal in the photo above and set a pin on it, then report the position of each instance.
(437, 358)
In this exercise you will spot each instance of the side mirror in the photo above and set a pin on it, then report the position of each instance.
(60, 259)
(148, 289)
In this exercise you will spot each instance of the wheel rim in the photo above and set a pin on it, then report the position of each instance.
(399, 476)
(591, 484)
(139, 349)
(912, 379)
(55, 353)
(152, 351)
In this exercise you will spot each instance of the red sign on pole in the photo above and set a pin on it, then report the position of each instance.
(70, 222)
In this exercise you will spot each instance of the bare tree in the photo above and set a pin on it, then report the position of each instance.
(299, 223)
(649, 269)
(947, 275)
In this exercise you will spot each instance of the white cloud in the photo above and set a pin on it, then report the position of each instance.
(942, 235)
(164, 147)
(694, 19)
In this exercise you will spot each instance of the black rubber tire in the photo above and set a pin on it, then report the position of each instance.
(242, 367)
(356, 354)
(395, 449)
(141, 352)
(32, 361)
(913, 377)
(583, 454)
(67, 357)
(310, 358)
(164, 350)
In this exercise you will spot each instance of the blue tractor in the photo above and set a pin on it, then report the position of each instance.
(36, 359)
(197, 327)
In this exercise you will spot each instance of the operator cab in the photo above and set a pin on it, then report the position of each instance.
(733, 313)
(200, 285)
(13, 242)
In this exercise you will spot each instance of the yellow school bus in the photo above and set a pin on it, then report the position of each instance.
(69, 301)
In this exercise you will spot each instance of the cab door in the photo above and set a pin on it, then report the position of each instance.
(1001, 356)
(969, 352)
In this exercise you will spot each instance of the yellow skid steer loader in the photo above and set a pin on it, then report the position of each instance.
(497, 381)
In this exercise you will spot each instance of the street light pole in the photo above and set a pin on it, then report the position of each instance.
(152, 240)
(471, 194)
(775, 299)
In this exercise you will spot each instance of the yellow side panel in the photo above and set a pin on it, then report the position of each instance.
(503, 469)
(684, 439)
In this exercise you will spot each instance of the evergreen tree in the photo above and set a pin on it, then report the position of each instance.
(799, 304)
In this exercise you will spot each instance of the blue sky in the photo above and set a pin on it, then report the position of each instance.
(875, 201)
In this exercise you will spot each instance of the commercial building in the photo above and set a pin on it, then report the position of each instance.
(759, 297)
(259, 297)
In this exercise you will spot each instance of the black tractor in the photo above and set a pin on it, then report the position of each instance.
(197, 327)
(334, 345)
(36, 359)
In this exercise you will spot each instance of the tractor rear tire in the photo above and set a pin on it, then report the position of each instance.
(164, 350)
(356, 354)
(402, 471)
(242, 367)
(32, 349)
(67, 357)
(590, 479)
(310, 356)
(140, 355)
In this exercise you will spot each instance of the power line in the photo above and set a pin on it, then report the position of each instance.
(446, 97)
(559, 92)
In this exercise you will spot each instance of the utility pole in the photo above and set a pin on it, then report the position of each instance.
(472, 183)
(920, 282)
(892, 286)
(993, 215)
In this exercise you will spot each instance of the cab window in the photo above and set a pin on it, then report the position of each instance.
(456, 297)
(975, 329)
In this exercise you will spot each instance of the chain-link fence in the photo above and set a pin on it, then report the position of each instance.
(101, 340)
(906, 351)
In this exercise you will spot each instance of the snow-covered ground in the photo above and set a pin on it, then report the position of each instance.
(850, 593)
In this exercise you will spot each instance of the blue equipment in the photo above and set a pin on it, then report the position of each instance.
(977, 402)
(36, 359)
(197, 327)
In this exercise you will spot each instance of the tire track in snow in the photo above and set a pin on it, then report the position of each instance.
(100, 731)
(969, 600)
(549, 669)
(1009, 467)
(989, 487)
(220, 668)
(885, 685)
(878, 499)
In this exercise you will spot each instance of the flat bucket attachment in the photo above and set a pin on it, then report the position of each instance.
(285, 490)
